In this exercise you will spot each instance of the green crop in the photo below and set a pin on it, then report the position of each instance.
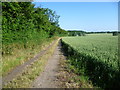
(98, 55)
(102, 47)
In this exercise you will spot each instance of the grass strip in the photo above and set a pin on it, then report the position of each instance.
(67, 76)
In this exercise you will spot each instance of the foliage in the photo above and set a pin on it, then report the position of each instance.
(23, 23)
(25, 31)
(101, 32)
(97, 55)
(115, 33)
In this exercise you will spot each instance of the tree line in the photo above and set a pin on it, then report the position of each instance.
(21, 21)
(76, 33)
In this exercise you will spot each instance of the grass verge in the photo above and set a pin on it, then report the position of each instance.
(20, 54)
(31, 72)
(68, 78)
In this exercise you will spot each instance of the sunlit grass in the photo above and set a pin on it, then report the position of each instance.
(19, 55)
(31, 72)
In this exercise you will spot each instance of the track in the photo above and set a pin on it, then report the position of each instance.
(18, 70)
(48, 78)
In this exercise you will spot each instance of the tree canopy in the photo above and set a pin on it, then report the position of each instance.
(22, 21)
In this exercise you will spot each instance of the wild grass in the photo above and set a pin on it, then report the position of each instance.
(68, 76)
(19, 54)
(80, 78)
(31, 72)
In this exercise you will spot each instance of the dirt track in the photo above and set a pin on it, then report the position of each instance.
(47, 78)
(18, 70)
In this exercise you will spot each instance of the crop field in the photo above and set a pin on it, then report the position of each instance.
(102, 47)
(97, 54)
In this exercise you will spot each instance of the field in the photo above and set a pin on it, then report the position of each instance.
(102, 47)
(97, 54)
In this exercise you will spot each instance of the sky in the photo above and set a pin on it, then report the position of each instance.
(86, 16)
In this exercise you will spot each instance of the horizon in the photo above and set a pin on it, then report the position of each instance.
(94, 31)
(91, 31)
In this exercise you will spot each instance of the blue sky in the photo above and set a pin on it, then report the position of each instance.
(87, 16)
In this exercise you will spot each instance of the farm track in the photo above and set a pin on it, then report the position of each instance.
(48, 78)
(18, 70)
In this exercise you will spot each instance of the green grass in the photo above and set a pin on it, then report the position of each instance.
(80, 78)
(96, 56)
(19, 54)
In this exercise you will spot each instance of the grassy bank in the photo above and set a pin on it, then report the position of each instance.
(68, 77)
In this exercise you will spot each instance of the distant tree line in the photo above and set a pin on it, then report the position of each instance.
(76, 33)
(83, 33)
(115, 33)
